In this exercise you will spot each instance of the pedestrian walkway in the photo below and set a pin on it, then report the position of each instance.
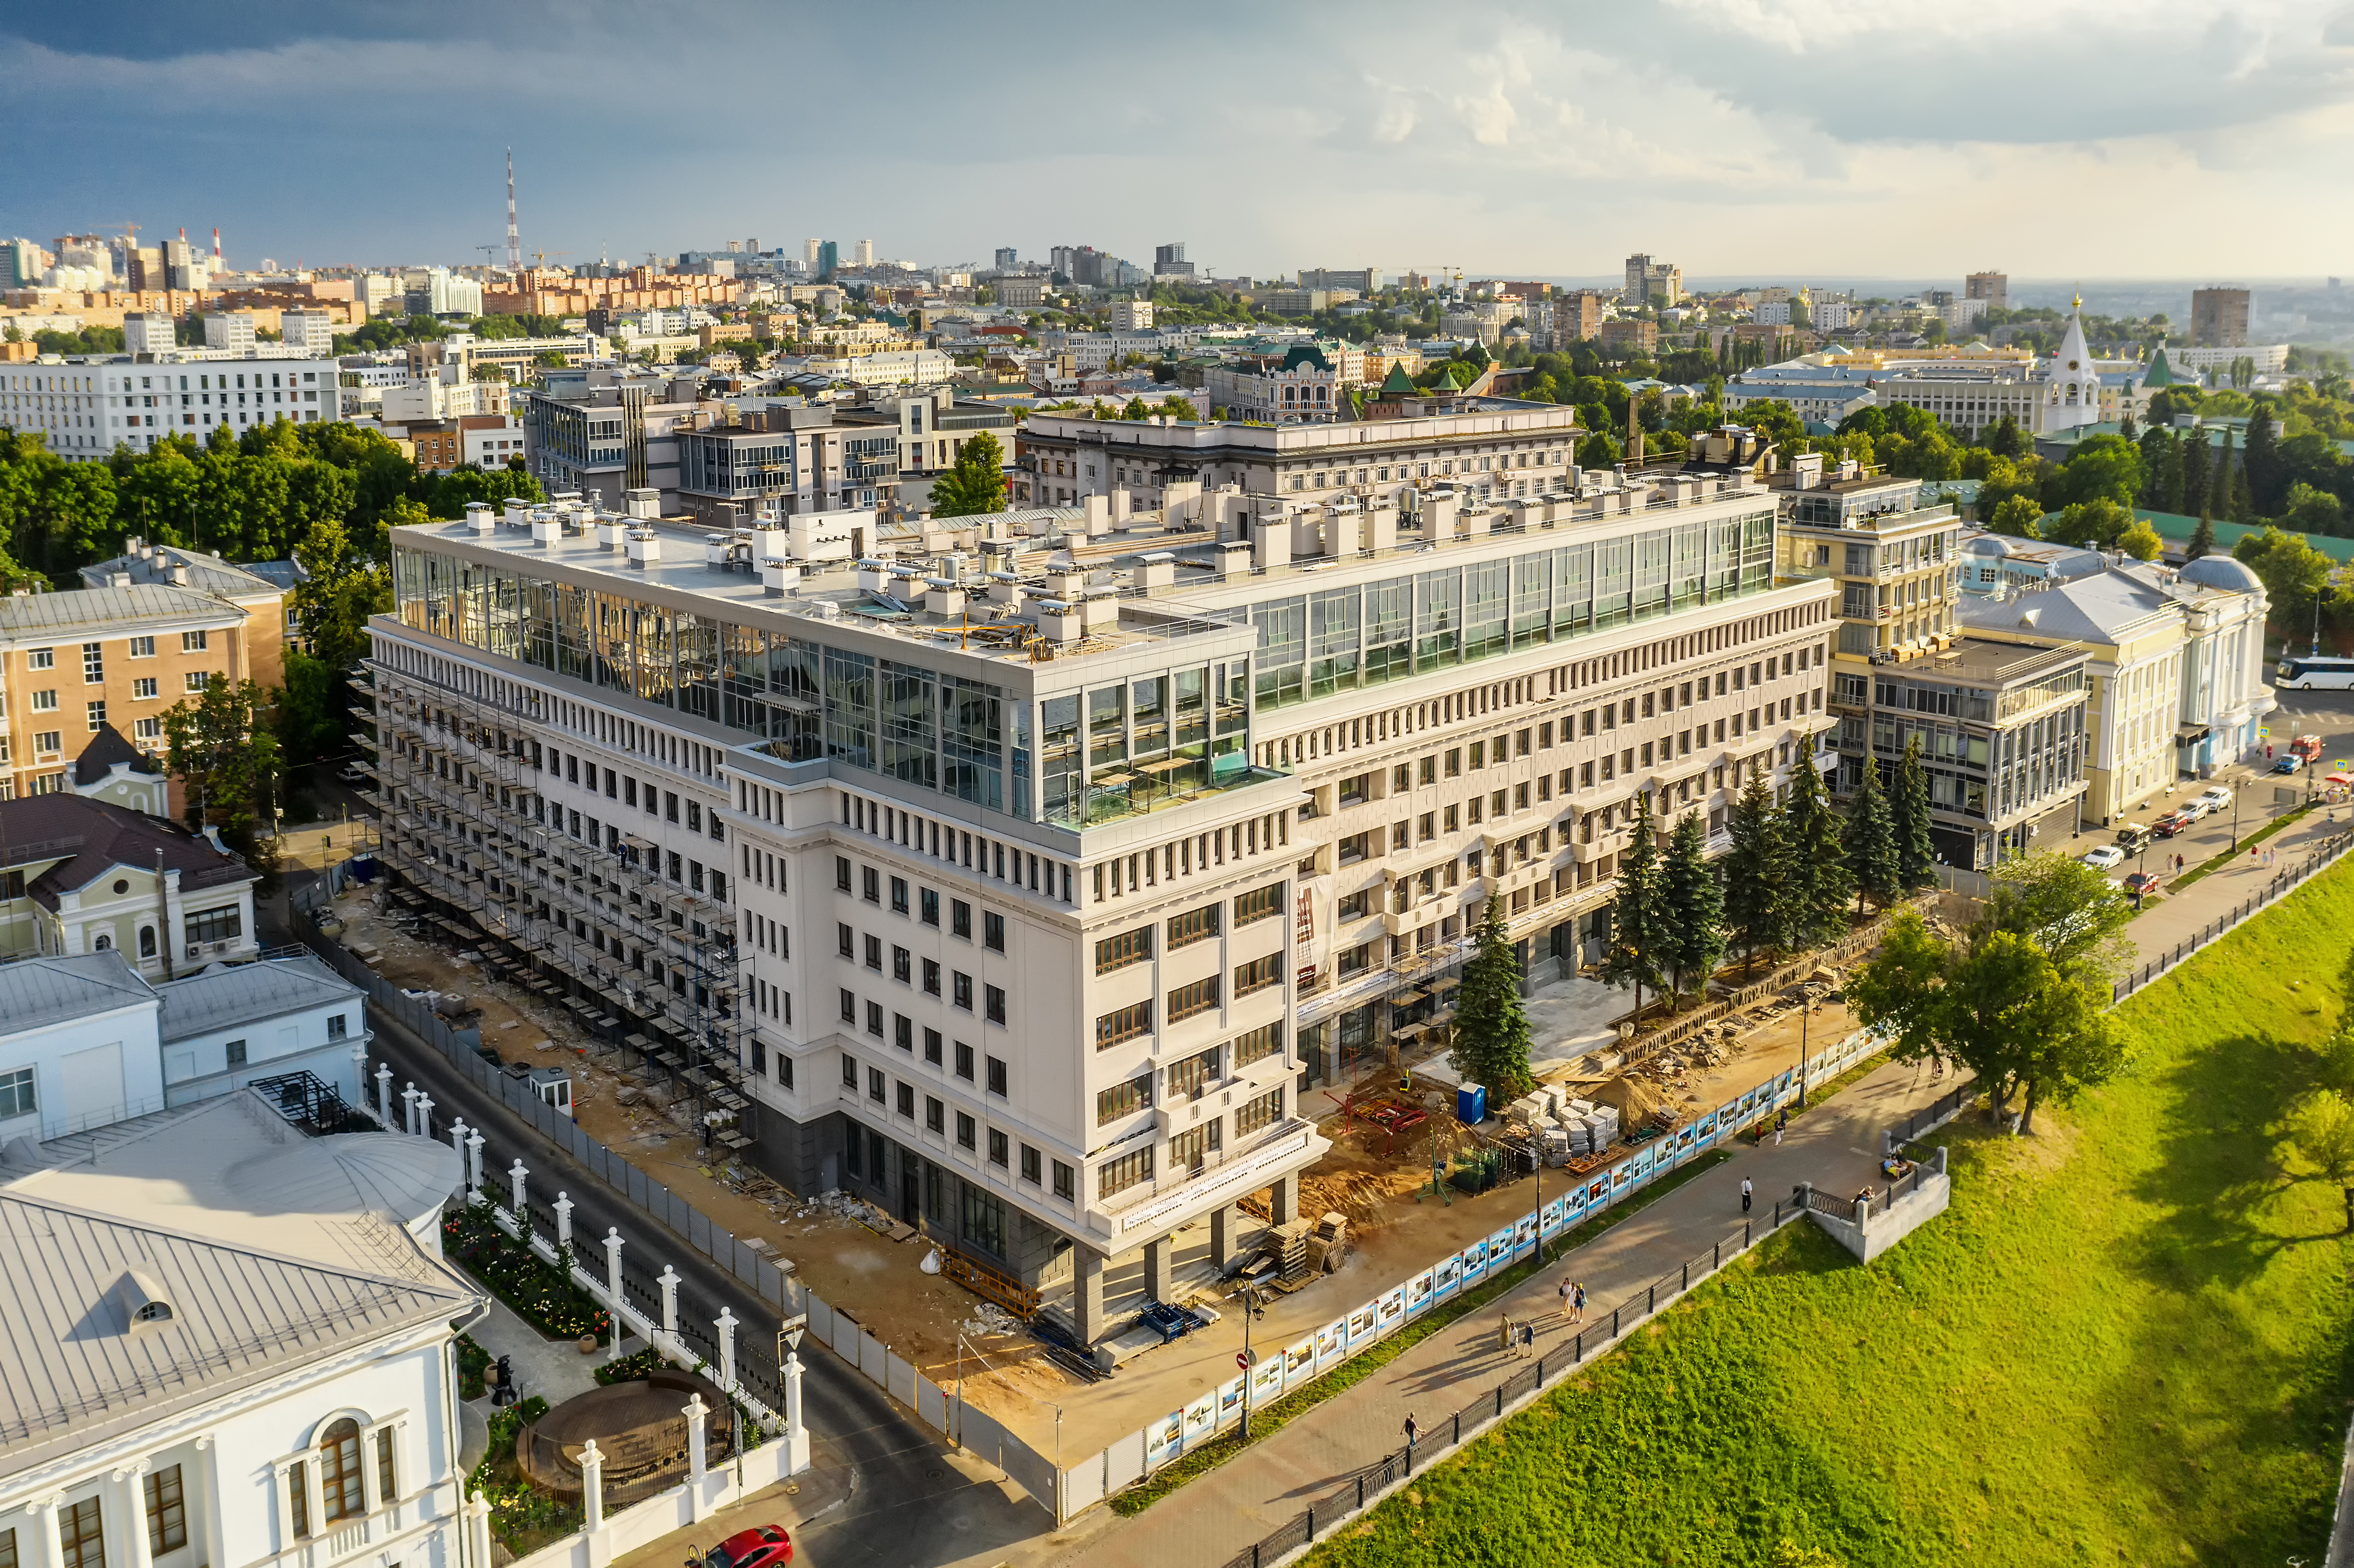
(555, 1369)
(1220, 1514)
(2179, 917)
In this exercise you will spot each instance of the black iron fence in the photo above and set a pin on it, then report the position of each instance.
(1351, 1494)
(2319, 858)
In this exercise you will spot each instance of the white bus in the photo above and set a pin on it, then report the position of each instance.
(2316, 674)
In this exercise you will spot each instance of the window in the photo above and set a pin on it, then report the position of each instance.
(93, 665)
(934, 1115)
(931, 976)
(388, 1476)
(1257, 1046)
(235, 1050)
(143, 648)
(898, 895)
(845, 941)
(41, 659)
(1187, 1077)
(903, 966)
(984, 1220)
(903, 1031)
(1353, 906)
(192, 641)
(960, 918)
(167, 1511)
(841, 872)
(993, 1004)
(1128, 948)
(45, 702)
(340, 1490)
(337, 1025)
(1190, 1150)
(875, 1085)
(1187, 1000)
(82, 1531)
(96, 714)
(849, 1068)
(1067, 1184)
(1119, 1175)
(221, 925)
(932, 1046)
(1030, 1158)
(1123, 1024)
(16, 1097)
(195, 681)
(929, 905)
(1194, 925)
(961, 990)
(906, 1100)
(1263, 1111)
(1000, 1148)
(1259, 974)
(849, 1011)
(997, 1075)
(143, 688)
(1259, 904)
(147, 729)
(871, 881)
(874, 1019)
(964, 1061)
(992, 931)
(965, 1129)
(874, 954)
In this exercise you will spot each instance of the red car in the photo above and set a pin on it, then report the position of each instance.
(2140, 884)
(764, 1546)
(2173, 823)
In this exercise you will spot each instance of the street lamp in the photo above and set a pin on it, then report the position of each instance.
(1806, 1017)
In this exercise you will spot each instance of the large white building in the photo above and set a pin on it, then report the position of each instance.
(86, 406)
(1036, 934)
(229, 1344)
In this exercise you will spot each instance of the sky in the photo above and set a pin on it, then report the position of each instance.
(1774, 140)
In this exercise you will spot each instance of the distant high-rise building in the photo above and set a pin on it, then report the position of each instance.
(753, 246)
(1006, 259)
(309, 332)
(147, 332)
(2218, 317)
(808, 254)
(734, 246)
(866, 253)
(1651, 282)
(1169, 261)
(1994, 288)
(825, 256)
(230, 329)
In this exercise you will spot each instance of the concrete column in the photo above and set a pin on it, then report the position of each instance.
(1087, 1293)
(796, 1435)
(474, 1166)
(1283, 1199)
(613, 1287)
(698, 1412)
(516, 1177)
(1156, 1266)
(424, 1116)
(478, 1530)
(1224, 1221)
(384, 1097)
(409, 1110)
(50, 1550)
(726, 1324)
(669, 1283)
(458, 1131)
(592, 1488)
(564, 1226)
(130, 1483)
(359, 1073)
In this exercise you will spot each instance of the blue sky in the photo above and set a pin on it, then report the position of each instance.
(1765, 138)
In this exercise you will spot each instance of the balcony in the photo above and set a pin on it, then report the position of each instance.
(1289, 1143)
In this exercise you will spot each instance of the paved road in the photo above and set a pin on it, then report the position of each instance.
(914, 1502)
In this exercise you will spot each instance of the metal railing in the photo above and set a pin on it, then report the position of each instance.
(2324, 855)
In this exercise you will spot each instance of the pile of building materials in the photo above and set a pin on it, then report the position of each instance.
(1561, 1127)
(1327, 1244)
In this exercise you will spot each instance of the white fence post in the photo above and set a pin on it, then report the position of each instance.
(474, 1166)
(563, 1227)
(797, 1443)
(517, 1176)
(669, 1283)
(613, 1286)
(726, 1325)
(592, 1488)
(384, 1097)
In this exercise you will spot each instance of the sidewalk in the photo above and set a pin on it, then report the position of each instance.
(1222, 1513)
(2179, 918)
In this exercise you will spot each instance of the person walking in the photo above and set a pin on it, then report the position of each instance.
(1781, 1120)
(1504, 1331)
(1577, 1301)
(1567, 1289)
(1528, 1340)
(1413, 1430)
(1745, 1194)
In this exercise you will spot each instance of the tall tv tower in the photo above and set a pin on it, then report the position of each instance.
(514, 240)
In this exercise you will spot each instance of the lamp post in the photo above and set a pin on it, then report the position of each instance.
(1806, 1017)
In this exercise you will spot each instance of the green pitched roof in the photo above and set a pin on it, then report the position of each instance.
(1306, 353)
(2160, 374)
(1397, 382)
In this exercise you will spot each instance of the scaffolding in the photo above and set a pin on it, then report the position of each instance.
(647, 964)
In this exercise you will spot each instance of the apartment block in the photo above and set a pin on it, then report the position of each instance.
(1020, 888)
(2218, 317)
(88, 406)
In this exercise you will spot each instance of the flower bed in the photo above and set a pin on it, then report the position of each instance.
(523, 1518)
(630, 1368)
(537, 1291)
(472, 1361)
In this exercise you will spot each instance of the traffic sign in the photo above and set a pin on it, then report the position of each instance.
(1242, 1360)
(791, 1328)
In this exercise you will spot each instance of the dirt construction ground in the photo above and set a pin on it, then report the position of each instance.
(1397, 1226)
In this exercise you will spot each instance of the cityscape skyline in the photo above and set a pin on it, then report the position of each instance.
(1522, 147)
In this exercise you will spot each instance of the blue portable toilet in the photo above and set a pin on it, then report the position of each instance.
(1471, 1104)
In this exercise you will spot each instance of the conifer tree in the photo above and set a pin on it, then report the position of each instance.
(2203, 539)
(1758, 894)
(1868, 841)
(1817, 880)
(1637, 919)
(2197, 473)
(1916, 853)
(1491, 1027)
(1695, 904)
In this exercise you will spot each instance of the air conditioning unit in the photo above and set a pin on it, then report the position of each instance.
(193, 950)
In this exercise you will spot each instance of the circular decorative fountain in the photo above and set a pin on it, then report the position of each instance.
(640, 1428)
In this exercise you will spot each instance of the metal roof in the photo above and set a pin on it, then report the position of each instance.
(115, 610)
(38, 991)
(231, 994)
(251, 1296)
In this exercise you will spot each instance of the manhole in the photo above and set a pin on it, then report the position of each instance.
(931, 1475)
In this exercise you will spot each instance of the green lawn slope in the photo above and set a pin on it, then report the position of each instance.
(2127, 1342)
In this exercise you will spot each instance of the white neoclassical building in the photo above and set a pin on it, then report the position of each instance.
(229, 1345)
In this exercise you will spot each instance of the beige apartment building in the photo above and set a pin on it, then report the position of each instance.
(1023, 888)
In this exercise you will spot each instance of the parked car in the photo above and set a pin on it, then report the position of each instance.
(2132, 836)
(2103, 857)
(2287, 764)
(2173, 823)
(353, 773)
(763, 1546)
(2142, 883)
(2196, 809)
(2215, 798)
(2306, 745)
